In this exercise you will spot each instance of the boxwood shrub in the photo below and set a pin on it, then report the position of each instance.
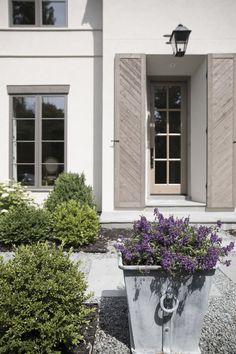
(69, 186)
(41, 301)
(75, 224)
(25, 224)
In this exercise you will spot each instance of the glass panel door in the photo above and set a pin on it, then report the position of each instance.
(168, 138)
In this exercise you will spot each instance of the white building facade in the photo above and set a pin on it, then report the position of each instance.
(91, 86)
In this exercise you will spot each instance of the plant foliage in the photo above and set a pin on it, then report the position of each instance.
(70, 186)
(12, 194)
(25, 224)
(174, 244)
(41, 301)
(75, 224)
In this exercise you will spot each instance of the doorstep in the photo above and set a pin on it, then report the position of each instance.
(120, 218)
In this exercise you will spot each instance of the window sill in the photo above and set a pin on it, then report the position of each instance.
(43, 190)
(49, 29)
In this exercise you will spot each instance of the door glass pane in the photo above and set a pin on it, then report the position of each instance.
(160, 172)
(52, 129)
(24, 107)
(24, 129)
(174, 97)
(23, 12)
(174, 172)
(160, 97)
(160, 121)
(174, 122)
(174, 147)
(160, 147)
(50, 173)
(25, 174)
(54, 13)
(25, 153)
(53, 152)
(53, 107)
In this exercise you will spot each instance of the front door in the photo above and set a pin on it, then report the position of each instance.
(168, 138)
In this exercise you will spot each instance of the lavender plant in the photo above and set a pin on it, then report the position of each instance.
(174, 244)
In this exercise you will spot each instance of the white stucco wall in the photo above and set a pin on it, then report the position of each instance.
(140, 28)
(69, 56)
(197, 141)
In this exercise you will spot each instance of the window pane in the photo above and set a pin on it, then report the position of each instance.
(53, 107)
(175, 97)
(160, 172)
(25, 153)
(24, 107)
(175, 147)
(174, 172)
(53, 152)
(50, 173)
(53, 129)
(24, 129)
(160, 97)
(23, 12)
(174, 122)
(54, 13)
(160, 121)
(25, 174)
(160, 147)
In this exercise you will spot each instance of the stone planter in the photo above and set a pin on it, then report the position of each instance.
(165, 314)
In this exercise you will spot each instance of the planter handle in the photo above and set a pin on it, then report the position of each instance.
(162, 299)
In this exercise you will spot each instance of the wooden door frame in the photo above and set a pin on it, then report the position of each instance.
(184, 80)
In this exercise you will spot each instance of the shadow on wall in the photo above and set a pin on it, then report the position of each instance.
(93, 17)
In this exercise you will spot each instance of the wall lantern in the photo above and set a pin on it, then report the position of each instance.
(179, 40)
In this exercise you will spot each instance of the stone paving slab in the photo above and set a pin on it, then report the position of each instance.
(105, 278)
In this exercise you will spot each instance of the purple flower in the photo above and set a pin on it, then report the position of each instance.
(174, 244)
(227, 249)
(227, 263)
(187, 263)
(167, 259)
(219, 223)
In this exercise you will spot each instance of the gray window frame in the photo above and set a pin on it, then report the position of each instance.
(38, 15)
(38, 92)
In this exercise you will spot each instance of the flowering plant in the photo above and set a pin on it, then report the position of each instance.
(174, 244)
(12, 194)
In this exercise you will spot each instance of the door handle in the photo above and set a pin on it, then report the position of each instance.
(151, 157)
(115, 141)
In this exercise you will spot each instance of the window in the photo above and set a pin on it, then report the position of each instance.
(38, 137)
(38, 13)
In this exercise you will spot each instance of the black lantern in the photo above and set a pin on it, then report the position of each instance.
(179, 40)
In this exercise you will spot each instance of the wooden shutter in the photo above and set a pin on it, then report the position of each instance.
(130, 89)
(221, 135)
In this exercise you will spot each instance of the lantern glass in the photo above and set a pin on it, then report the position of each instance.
(179, 40)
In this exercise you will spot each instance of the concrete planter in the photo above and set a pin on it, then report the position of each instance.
(165, 314)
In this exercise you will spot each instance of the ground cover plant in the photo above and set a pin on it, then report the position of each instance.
(75, 224)
(174, 244)
(24, 224)
(69, 186)
(42, 299)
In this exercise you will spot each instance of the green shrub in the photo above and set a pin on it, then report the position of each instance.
(70, 186)
(24, 225)
(75, 224)
(12, 194)
(41, 301)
